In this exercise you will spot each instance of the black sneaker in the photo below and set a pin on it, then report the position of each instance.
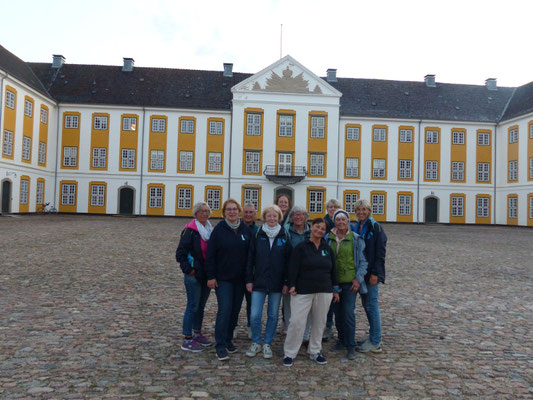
(318, 358)
(287, 361)
(222, 355)
(231, 348)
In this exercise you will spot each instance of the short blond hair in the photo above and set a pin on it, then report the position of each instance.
(333, 202)
(363, 203)
(274, 208)
(198, 206)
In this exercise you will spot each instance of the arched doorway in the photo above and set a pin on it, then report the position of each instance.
(6, 197)
(286, 191)
(126, 200)
(431, 210)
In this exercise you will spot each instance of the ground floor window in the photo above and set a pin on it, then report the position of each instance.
(156, 197)
(513, 207)
(68, 194)
(349, 202)
(184, 198)
(404, 204)
(378, 204)
(483, 207)
(212, 198)
(97, 195)
(24, 189)
(457, 206)
(316, 202)
(39, 193)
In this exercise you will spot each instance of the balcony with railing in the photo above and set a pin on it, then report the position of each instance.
(284, 174)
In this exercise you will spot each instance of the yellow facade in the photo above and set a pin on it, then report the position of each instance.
(99, 140)
(10, 118)
(97, 209)
(458, 153)
(484, 154)
(406, 150)
(186, 142)
(70, 138)
(252, 142)
(43, 134)
(215, 144)
(27, 126)
(379, 151)
(458, 219)
(432, 152)
(158, 141)
(129, 139)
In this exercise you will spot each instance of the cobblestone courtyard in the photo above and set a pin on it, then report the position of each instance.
(91, 307)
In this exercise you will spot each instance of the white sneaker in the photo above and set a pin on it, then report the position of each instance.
(267, 351)
(253, 350)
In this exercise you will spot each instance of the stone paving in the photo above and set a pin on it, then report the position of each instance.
(91, 307)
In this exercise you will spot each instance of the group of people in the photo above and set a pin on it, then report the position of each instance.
(316, 269)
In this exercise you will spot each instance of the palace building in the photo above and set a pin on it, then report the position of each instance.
(153, 141)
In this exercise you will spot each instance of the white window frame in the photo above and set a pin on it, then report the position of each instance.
(186, 160)
(406, 169)
(316, 164)
(349, 202)
(7, 146)
(44, 116)
(379, 166)
(127, 160)
(512, 205)
(24, 191)
(404, 204)
(68, 194)
(100, 122)
(318, 127)
(432, 136)
(156, 197)
(214, 162)
(483, 207)
(252, 162)
(458, 171)
(212, 198)
(26, 148)
(99, 157)
(216, 128)
(72, 121)
(352, 167)
(97, 195)
(253, 124)
(10, 99)
(513, 136)
(187, 126)
(28, 108)
(184, 198)
(378, 204)
(70, 156)
(157, 160)
(353, 133)
(380, 134)
(251, 196)
(432, 170)
(531, 207)
(42, 153)
(531, 131)
(457, 206)
(483, 172)
(406, 136)
(513, 170)
(285, 164)
(458, 137)
(39, 193)
(531, 168)
(129, 124)
(285, 127)
(159, 125)
(483, 139)
(316, 201)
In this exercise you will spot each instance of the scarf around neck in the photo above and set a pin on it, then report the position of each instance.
(233, 226)
(271, 232)
(204, 230)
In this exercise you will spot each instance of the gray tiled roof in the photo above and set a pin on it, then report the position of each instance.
(521, 103)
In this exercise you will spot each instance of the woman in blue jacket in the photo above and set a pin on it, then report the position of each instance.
(227, 253)
(266, 275)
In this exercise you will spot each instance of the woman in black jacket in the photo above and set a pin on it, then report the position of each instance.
(227, 253)
(266, 275)
(191, 254)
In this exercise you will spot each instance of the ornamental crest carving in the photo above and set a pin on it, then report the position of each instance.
(286, 83)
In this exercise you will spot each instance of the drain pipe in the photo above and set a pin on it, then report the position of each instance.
(58, 149)
(142, 164)
(418, 176)
(230, 148)
(2, 93)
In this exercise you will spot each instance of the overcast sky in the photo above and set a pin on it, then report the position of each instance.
(464, 41)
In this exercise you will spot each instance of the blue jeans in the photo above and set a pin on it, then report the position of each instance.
(258, 300)
(345, 316)
(229, 298)
(371, 306)
(197, 295)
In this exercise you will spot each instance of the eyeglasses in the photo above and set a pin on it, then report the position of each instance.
(232, 209)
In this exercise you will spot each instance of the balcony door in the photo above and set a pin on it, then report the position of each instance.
(284, 163)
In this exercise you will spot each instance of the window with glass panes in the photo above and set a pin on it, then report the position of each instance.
(352, 133)
(28, 108)
(531, 168)
(39, 193)
(253, 124)
(100, 122)
(405, 169)
(215, 128)
(316, 165)
(482, 207)
(380, 135)
(156, 197)
(531, 131)
(128, 159)
(70, 156)
(513, 207)
(24, 187)
(483, 172)
(432, 136)
(458, 171)
(44, 115)
(214, 162)
(97, 195)
(457, 206)
(212, 198)
(404, 204)
(129, 123)
(483, 139)
(184, 198)
(99, 157)
(352, 167)
(531, 207)
(186, 160)
(406, 135)
(378, 168)
(432, 170)
(349, 202)
(187, 126)
(7, 148)
(10, 99)
(318, 127)
(458, 137)
(513, 170)
(285, 125)
(26, 148)
(158, 125)
(42, 152)
(316, 201)
(513, 135)
(71, 121)
(252, 162)
(378, 204)
(251, 196)
(68, 194)
(157, 159)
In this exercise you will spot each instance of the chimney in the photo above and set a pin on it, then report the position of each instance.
(332, 75)
(128, 64)
(228, 70)
(490, 83)
(430, 80)
(57, 61)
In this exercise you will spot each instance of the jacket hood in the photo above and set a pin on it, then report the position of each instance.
(192, 225)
